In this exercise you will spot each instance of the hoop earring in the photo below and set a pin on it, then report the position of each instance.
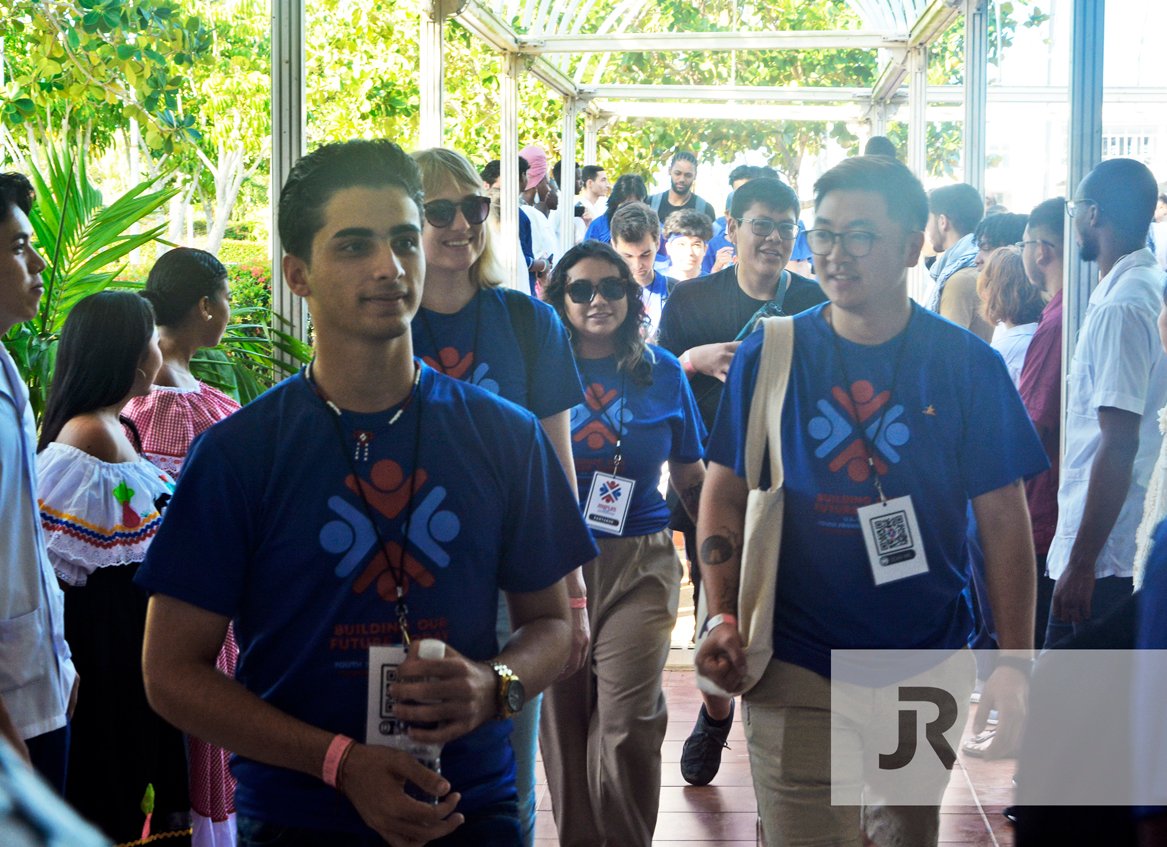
(142, 372)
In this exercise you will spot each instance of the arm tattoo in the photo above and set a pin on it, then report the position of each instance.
(719, 549)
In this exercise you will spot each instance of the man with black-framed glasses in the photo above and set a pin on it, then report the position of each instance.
(701, 324)
(1117, 384)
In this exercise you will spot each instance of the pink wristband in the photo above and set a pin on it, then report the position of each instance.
(577, 602)
(332, 759)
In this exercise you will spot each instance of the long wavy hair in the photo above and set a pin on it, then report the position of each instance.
(628, 187)
(102, 342)
(441, 168)
(633, 358)
(1005, 291)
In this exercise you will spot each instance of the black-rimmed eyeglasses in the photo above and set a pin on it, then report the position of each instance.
(856, 243)
(441, 213)
(762, 227)
(1021, 245)
(1073, 207)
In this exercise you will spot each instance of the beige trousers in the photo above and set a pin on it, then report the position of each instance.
(602, 728)
(787, 718)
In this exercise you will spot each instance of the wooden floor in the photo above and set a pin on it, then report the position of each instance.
(724, 813)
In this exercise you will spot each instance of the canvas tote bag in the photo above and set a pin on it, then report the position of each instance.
(764, 507)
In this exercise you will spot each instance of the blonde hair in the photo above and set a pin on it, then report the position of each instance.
(1005, 291)
(441, 167)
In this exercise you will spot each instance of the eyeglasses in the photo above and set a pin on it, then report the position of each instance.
(1073, 207)
(1021, 245)
(762, 227)
(583, 292)
(856, 243)
(441, 213)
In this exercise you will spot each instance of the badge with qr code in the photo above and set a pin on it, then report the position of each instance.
(381, 716)
(892, 535)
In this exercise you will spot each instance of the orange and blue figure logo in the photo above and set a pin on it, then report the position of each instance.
(611, 491)
(592, 421)
(845, 426)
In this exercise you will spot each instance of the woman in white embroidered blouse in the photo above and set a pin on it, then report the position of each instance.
(101, 505)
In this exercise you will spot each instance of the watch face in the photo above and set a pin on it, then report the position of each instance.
(515, 695)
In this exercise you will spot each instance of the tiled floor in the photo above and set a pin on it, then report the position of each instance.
(724, 813)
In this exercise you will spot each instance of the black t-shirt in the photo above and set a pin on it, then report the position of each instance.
(664, 208)
(713, 309)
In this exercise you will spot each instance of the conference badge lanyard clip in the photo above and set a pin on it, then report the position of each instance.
(891, 533)
(606, 508)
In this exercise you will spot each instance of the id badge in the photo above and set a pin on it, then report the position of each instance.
(607, 503)
(381, 722)
(895, 548)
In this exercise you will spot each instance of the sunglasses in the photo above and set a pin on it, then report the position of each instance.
(583, 292)
(441, 213)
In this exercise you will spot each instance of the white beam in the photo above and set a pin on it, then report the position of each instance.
(976, 82)
(716, 111)
(721, 93)
(571, 108)
(643, 42)
(431, 79)
(918, 110)
(930, 25)
(512, 260)
(483, 23)
(288, 133)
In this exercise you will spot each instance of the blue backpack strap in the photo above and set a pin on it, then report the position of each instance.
(521, 308)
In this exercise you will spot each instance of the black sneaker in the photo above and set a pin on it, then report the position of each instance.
(701, 755)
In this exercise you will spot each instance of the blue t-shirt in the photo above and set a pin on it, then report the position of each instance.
(953, 428)
(478, 344)
(600, 229)
(267, 528)
(655, 423)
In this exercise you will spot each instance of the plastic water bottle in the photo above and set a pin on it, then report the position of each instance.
(428, 753)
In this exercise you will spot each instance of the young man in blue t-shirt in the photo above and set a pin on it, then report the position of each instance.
(885, 401)
(362, 501)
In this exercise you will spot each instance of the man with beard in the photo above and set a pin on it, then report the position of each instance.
(1118, 383)
(682, 175)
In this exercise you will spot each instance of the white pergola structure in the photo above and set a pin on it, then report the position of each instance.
(901, 30)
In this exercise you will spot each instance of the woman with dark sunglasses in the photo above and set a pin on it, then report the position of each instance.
(472, 327)
(603, 726)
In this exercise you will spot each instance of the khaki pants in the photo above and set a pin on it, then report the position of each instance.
(602, 728)
(787, 718)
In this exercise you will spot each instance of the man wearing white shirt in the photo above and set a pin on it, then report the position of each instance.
(596, 189)
(1117, 384)
(38, 683)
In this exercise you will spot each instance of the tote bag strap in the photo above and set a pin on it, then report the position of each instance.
(765, 421)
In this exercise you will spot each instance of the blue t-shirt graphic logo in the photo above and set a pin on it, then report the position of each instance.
(454, 364)
(836, 428)
(352, 536)
(593, 419)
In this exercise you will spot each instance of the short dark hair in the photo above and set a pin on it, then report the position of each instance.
(491, 172)
(880, 145)
(1126, 193)
(627, 187)
(180, 279)
(771, 193)
(683, 156)
(960, 203)
(632, 356)
(15, 190)
(634, 222)
(315, 178)
(1000, 229)
(741, 172)
(765, 172)
(1050, 216)
(907, 204)
(589, 172)
(102, 342)
(689, 222)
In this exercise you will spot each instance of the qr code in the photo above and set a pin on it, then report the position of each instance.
(891, 533)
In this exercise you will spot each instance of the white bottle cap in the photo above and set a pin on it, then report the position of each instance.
(431, 648)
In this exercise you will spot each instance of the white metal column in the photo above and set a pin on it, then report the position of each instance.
(288, 131)
(512, 66)
(591, 138)
(976, 66)
(431, 76)
(1087, 42)
(571, 107)
(918, 110)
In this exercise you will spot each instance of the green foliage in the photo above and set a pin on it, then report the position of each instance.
(233, 252)
(253, 355)
(250, 287)
(85, 243)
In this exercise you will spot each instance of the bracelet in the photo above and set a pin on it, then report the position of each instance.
(578, 602)
(338, 750)
(687, 364)
(718, 620)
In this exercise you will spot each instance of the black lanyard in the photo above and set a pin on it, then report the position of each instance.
(869, 443)
(617, 425)
(398, 570)
(425, 321)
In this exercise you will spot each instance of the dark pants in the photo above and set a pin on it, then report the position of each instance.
(1109, 592)
(496, 825)
(50, 756)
